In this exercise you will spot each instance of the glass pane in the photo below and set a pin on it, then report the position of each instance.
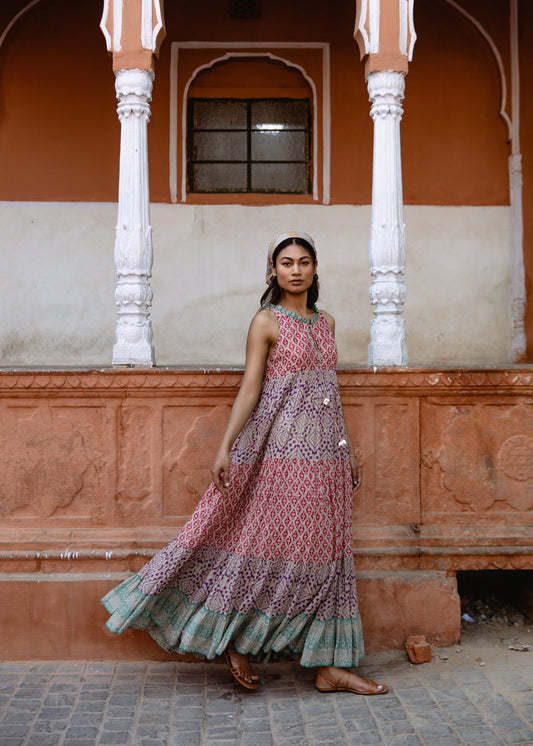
(279, 177)
(214, 177)
(218, 114)
(277, 145)
(219, 146)
(292, 114)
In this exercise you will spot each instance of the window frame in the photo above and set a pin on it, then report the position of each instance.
(250, 162)
(311, 59)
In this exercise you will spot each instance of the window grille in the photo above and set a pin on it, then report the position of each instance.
(249, 145)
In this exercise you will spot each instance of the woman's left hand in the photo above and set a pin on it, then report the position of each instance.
(356, 472)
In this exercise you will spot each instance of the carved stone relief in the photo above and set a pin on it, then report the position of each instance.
(135, 462)
(386, 434)
(191, 439)
(477, 459)
(51, 462)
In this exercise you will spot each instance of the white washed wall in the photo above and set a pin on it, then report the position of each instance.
(57, 301)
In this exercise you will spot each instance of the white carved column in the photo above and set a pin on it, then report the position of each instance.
(518, 292)
(387, 234)
(133, 240)
(518, 279)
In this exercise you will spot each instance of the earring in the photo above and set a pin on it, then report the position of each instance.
(315, 277)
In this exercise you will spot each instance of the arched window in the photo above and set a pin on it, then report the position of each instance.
(249, 129)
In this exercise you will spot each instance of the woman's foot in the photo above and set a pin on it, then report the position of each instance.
(333, 679)
(240, 668)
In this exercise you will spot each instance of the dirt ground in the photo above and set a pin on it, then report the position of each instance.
(493, 630)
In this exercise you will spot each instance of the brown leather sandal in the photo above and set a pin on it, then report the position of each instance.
(323, 684)
(239, 672)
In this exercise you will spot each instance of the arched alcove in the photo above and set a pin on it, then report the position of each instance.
(249, 129)
(454, 96)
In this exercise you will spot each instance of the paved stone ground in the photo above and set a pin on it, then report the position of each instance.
(460, 700)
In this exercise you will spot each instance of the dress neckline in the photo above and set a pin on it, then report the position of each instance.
(292, 314)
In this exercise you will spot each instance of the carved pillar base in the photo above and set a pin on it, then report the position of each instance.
(133, 241)
(387, 235)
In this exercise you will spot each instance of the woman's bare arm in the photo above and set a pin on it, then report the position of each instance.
(262, 336)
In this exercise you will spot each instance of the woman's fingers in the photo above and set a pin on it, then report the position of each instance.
(356, 475)
(220, 475)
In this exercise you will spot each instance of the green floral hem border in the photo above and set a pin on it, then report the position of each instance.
(180, 626)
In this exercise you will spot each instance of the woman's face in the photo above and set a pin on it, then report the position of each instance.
(295, 269)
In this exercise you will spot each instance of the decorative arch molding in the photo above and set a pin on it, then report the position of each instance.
(15, 19)
(497, 56)
(235, 54)
(245, 55)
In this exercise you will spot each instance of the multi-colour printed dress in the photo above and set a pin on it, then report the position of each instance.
(269, 567)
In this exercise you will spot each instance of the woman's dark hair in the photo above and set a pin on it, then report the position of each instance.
(273, 294)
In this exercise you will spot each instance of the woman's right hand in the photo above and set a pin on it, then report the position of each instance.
(263, 334)
(220, 471)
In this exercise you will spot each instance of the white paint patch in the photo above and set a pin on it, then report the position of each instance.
(57, 303)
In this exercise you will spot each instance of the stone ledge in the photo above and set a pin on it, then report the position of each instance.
(410, 381)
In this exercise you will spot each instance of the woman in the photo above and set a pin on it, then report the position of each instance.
(265, 564)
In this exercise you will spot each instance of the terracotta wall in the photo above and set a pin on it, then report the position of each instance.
(454, 142)
(59, 132)
(100, 469)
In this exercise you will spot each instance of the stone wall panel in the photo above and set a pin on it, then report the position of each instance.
(191, 435)
(52, 462)
(136, 494)
(99, 469)
(477, 461)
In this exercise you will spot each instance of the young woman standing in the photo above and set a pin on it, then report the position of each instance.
(265, 564)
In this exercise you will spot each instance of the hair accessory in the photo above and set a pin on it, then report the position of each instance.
(276, 242)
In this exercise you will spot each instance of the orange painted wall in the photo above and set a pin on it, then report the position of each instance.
(454, 141)
(59, 133)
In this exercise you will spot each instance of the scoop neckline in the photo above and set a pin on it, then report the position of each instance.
(293, 315)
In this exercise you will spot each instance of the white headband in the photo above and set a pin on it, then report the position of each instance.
(279, 239)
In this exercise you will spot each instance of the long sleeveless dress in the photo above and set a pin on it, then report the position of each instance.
(269, 567)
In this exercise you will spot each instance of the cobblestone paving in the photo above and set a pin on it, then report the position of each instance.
(180, 704)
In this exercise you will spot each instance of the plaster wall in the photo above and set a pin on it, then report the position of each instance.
(58, 293)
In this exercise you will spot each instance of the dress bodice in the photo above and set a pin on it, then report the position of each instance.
(303, 344)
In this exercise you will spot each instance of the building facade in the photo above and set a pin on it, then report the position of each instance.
(149, 154)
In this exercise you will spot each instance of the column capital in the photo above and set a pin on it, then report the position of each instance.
(385, 34)
(134, 31)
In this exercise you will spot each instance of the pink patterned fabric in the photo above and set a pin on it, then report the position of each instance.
(290, 482)
(269, 567)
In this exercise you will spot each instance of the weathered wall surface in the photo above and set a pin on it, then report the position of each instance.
(57, 303)
(101, 469)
